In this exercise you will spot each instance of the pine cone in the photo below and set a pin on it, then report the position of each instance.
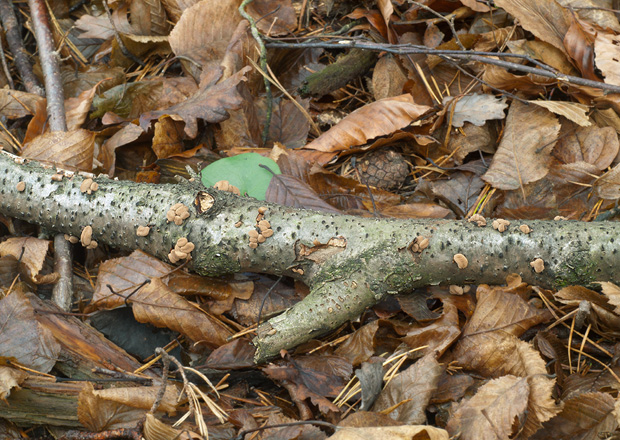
(384, 169)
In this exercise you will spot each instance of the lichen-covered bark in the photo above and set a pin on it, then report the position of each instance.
(349, 263)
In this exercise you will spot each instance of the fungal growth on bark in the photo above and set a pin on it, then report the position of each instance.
(88, 186)
(224, 185)
(500, 224)
(57, 177)
(86, 238)
(478, 219)
(177, 214)
(143, 231)
(182, 250)
(538, 265)
(262, 231)
(21, 186)
(460, 260)
(419, 244)
(525, 229)
(71, 239)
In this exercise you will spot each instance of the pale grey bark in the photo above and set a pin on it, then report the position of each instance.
(348, 262)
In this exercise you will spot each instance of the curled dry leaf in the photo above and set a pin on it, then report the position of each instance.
(376, 119)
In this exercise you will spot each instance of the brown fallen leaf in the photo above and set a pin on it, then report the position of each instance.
(524, 153)
(376, 119)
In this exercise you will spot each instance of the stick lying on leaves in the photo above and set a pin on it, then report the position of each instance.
(349, 263)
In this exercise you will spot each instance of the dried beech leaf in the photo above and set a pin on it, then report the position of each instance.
(72, 148)
(10, 378)
(204, 31)
(31, 251)
(544, 18)
(210, 103)
(15, 104)
(97, 413)
(524, 153)
(290, 191)
(416, 384)
(126, 274)
(390, 432)
(476, 108)
(313, 377)
(23, 338)
(376, 119)
(156, 304)
(573, 111)
(606, 48)
(584, 416)
(495, 409)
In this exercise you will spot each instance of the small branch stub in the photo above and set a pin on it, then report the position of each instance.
(460, 260)
(538, 265)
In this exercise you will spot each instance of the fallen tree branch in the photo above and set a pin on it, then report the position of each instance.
(349, 263)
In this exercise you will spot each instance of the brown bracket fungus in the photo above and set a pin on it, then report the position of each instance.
(21, 186)
(460, 260)
(538, 265)
(86, 238)
(182, 250)
(419, 244)
(177, 213)
(71, 239)
(500, 224)
(88, 186)
(143, 231)
(478, 219)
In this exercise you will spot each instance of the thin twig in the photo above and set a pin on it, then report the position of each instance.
(403, 49)
(263, 64)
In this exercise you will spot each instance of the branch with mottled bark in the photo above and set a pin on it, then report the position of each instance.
(349, 263)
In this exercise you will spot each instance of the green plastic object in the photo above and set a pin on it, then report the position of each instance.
(243, 171)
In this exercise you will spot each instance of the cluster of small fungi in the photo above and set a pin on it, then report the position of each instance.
(88, 186)
(264, 230)
(500, 225)
(181, 251)
(419, 244)
(177, 214)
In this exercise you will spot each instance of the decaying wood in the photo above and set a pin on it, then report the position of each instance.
(349, 263)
